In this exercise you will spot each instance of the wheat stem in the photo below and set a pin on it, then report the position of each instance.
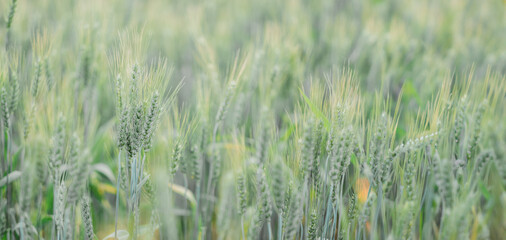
(117, 196)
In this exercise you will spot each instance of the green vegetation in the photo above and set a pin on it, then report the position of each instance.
(244, 119)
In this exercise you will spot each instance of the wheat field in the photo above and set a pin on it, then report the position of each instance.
(241, 119)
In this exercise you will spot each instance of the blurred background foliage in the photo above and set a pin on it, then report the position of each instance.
(399, 50)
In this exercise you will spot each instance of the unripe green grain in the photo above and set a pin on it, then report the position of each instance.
(409, 177)
(287, 203)
(49, 75)
(315, 147)
(36, 78)
(482, 160)
(14, 92)
(278, 184)
(295, 216)
(475, 137)
(217, 161)
(341, 154)
(138, 126)
(312, 231)
(4, 103)
(12, 11)
(85, 67)
(134, 137)
(134, 83)
(86, 216)
(151, 121)
(75, 146)
(194, 163)
(78, 172)
(78, 184)
(377, 148)
(255, 226)
(57, 151)
(346, 150)
(119, 89)
(407, 220)
(41, 173)
(220, 115)
(60, 204)
(352, 208)
(125, 171)
(123, 138)
(264, 197)
(241, 194)
(261, 144)
(149, 189)
(414, 144)
(176, 158)
(459, 126)
(443, 178)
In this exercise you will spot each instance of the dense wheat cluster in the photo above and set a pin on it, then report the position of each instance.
(220, 119)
